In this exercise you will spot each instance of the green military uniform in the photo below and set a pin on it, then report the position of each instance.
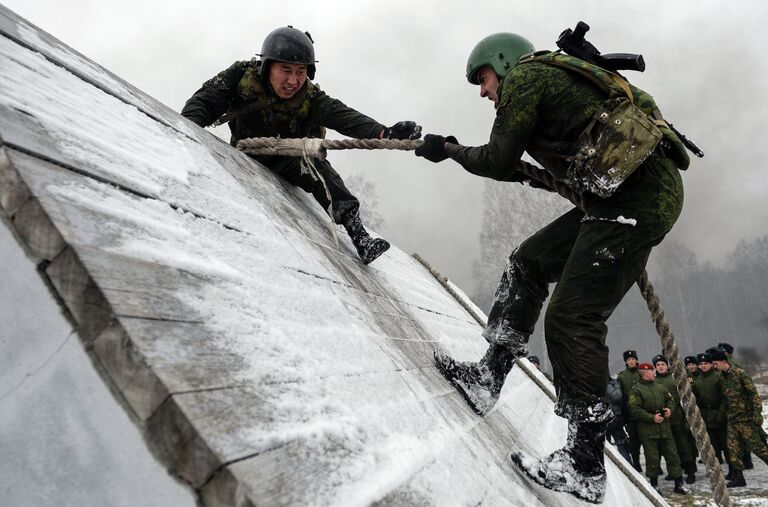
(681, 430)
(627, 378)
(646, 399)
(595, 256)
(744, 412)
(707, 387)
(254, 110)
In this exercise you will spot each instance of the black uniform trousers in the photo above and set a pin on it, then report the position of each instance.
(324, 183)
(594, 259)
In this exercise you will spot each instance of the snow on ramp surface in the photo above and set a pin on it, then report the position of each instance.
(265, 366)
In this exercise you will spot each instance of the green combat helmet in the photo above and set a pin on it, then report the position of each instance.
(501, 51)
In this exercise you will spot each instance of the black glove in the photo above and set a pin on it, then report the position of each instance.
(403, 130)
(433, 148)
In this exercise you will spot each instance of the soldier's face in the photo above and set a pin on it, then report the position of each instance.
(721, 365)
(631, 363)
(287, 78)
(662, 368)
(705, 367)
(647, 374)
(692, 367)
(489, 84)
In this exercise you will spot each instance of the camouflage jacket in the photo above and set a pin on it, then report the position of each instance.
(541, 109)
(708, 389)
(741, 397)
(646, 399)
(240, 90)
(668, 381)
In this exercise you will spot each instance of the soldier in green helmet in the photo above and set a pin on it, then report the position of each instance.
(605, 139)
(744, 410)
(274, 97)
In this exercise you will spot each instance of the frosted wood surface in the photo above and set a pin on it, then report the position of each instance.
(265, 364)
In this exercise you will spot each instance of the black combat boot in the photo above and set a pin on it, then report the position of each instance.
(368, 248)
(690, 472)
(679, 489)
(655, 484)
(480, 383)
(737, 480)
(748, 465)
(636, 462)
(577, 468)
(729, 476)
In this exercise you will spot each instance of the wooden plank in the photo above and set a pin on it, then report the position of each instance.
(80, 295)
(13, 191)
(42, 240)
(257, 420)
(131, 374)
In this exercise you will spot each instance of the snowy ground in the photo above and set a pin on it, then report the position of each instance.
(754, 495)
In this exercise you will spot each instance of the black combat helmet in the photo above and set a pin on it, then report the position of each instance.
(287, 44)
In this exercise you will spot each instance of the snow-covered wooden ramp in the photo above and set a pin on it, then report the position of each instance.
(264, 366)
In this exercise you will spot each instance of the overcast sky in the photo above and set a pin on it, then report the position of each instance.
(405, 60)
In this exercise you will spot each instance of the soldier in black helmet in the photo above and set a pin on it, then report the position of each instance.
(274, 96)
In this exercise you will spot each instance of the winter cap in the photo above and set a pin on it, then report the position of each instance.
(719, 355)
(691, 359)
(660, 358)
(534, 359)
(710, 350)
(628, 354)
(704, 358)
(727, 347)
(645, 366)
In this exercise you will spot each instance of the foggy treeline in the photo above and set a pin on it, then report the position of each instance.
(705, 304)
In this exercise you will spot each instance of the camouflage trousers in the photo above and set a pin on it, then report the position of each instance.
(594, 258)
(326, 186)
(654, 449)
(745, 437)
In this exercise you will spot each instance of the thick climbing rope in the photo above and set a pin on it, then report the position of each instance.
(319, 147)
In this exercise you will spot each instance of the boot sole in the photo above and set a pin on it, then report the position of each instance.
(375, 254)
(457, 384)
(517, 459)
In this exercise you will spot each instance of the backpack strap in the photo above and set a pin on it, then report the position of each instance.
(608, 81)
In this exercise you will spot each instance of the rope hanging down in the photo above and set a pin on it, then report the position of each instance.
(318, 148)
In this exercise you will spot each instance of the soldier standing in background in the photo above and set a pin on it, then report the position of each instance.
(651, 405)
(275, 97)
(746, 457)
(692, 366)
(616, 433)
(627, 379)
(681, 431)
(744, 410)
(707, 387)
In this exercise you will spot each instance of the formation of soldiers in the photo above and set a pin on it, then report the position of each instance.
(650, 412)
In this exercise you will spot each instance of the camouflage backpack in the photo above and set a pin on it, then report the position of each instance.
(623, 132)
